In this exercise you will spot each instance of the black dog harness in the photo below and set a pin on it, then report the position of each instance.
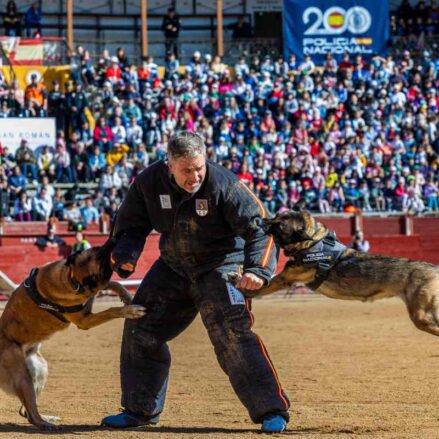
(43, 303)
(323, 255)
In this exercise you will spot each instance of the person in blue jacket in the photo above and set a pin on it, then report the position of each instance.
(32, 19)
(210, 225)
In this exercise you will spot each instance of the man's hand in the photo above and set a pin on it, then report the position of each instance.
(123, 270)
(250, 281)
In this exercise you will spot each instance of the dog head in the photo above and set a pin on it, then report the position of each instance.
(293, 227)
(90, 271)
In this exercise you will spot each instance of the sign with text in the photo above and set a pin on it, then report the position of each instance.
(37, 131)
(318, 27)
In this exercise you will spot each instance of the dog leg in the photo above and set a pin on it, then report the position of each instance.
(39, 371)
(424, 311)
(277, 283)
(122, 292)
(13, 362)
(87, 321)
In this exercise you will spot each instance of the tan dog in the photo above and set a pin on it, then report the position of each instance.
(53, 296)
(324, 264)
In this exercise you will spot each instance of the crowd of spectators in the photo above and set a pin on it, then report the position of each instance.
(350, 134)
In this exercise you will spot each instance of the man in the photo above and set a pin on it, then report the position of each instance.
(209, 224)
(32, 19)
(36, 93)
(171, 28)
(359, 243)
(241, 29)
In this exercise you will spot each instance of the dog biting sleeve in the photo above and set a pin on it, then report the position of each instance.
(244, 212)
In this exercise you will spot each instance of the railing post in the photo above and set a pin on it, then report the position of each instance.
(358, 222)
(219, 24)
(408, 225)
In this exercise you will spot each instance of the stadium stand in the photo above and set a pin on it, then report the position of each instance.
(351, 135)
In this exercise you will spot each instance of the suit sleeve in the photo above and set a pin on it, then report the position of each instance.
(244, 211)
(131, 227)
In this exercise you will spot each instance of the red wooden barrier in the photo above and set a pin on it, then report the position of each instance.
(18, 253)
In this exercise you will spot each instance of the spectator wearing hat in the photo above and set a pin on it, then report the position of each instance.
(113, 72)
(171, 27)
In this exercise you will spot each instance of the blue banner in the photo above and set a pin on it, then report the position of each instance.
(318, 27)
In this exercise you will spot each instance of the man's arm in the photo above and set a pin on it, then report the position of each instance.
(244, 212)
(131, 228)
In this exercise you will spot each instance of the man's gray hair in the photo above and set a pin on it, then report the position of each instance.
(185, 144)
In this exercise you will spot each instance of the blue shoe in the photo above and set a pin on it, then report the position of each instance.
(274, 424)
(128, 420)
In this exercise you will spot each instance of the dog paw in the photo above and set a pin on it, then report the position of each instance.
(133, 311)
(49, 418)
(126, 298)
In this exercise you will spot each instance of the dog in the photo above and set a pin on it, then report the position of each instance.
(51, 298)
(325, 265)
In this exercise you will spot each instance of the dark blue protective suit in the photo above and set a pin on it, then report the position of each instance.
(203, 237)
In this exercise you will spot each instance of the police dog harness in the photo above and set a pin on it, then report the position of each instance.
(323, 255)
(43, 303)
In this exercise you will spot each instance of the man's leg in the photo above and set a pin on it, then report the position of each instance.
(240, 352)
(145, 356)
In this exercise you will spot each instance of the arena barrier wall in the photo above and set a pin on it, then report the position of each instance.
(413, 238)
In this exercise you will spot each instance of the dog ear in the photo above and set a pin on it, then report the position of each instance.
(308, 223)
(71, 259)
(300, 205)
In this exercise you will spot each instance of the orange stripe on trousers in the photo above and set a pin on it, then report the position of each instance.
(264, 352)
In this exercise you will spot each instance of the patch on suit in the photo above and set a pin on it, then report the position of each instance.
(236, 297)
(165, 201)
(201, 207)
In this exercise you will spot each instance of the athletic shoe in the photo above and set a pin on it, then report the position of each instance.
(274, 424)
(128, 420)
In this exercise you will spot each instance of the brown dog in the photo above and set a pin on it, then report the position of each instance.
(325, 265)
(52, 297)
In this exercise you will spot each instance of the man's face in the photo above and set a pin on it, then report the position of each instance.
(189, 173)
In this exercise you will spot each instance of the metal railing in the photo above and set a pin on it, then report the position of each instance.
(233, 49)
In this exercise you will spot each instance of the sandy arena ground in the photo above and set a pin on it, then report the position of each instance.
(350, 370)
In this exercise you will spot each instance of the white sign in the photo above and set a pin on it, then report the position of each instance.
(37, 131)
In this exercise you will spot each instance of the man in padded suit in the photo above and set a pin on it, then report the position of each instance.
(210, 225)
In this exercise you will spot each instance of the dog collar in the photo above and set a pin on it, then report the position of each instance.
(323, 255)
(49, 306)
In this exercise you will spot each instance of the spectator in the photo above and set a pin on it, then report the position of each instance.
(72, 215)
(16, 183)
(241, 29)
(109, 179)
(12, 20)
(32, 19)
(23, 208)
(46, 162)
(62, 162)
(359, 243)
(42, 205)
(25, 158)
(171, 27)
(89, 212)
(81, 244)
(36, 94)
(102, 136)
(96, 162)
